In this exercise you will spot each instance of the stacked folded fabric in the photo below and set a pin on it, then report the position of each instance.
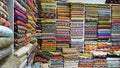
(85, 61)
(99, 59)
(6, 35)
(63, 25)
(77, 11)
(91, 13)
(70, 57)
(104, 28)
(24, 28)
(115, 32)
(57, 60)
(43, 59)
(47, 16)
(113, 61)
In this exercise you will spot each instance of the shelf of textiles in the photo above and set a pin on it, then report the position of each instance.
(115, 30)
(63, 25)
(47, 16)
(113, 1)
(91, 22)
(85, 61)
(6, 34)
(77, 18)
(104, 27)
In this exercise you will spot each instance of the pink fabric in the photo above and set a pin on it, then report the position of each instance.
(20, 14)
(4, 22)
(103, 36)
(20, 23)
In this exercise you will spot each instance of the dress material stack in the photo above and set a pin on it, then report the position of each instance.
(91, 18)
(63, 25)
(115, 33)
(6, 36)
(70, 57)
(104, 28)
(77, 28)
(24, 28)
(85, 61)
(47, 17)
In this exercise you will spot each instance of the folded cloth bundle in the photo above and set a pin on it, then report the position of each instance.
(5, 32)
(20, 6)
(45, 55)
(5, 52)
(3, 41)
(4, 22)
(24, 50)
(19, 14)
(20, 18)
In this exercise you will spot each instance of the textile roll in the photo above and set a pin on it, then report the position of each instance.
(3, 41)
(5, 32)
(5, 52)
(20, 18)
(20, 6)
(4, 15)
(19, 14)
(4, 22)
(24, 50)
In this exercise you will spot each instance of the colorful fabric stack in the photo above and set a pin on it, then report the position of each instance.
(24, 28)
(113, 61)
(85, 61)
(115, 33)
(6, 35)
(47, 16)
(91, 19)
(42, 58)
(63, 25)
(104, 28)
(77, 11)
(57, 60)
(70, 58)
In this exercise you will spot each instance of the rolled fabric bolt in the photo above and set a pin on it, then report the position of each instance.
(5, 32)
(5, 42)
(20, 14)
(4, 22)
(24, 50)
(5, 52)
(20, 6)
(4, 11)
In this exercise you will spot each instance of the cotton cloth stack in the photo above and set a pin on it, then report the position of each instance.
(47, 17)
(43, 58)
(77, 11)
(63, 25)
(99, 59)
(57, 60)
(85, 61)
(115, 33)
(70, 58)
(4, 15)
(24, 28)
(6, 36)
(91, 18)
(104, 28)
(113, 61)
(20, 21)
